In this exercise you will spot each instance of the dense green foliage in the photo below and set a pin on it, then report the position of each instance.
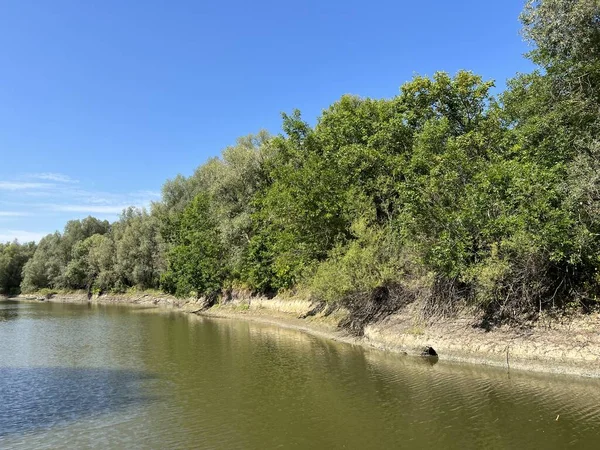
(96, 255)
(443, 192)
(13, 257)
(196, 256)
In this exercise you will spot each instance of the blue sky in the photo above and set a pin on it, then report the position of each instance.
(101, 102)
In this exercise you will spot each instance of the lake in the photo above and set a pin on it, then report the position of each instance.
(92, 376)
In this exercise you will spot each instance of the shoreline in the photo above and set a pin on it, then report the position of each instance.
(569, 346)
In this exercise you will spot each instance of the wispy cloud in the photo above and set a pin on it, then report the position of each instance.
(52, 176)
(54, 198)
(92, 209)
(21, 185)
(91, 202)
(13, 214)
(20, 235)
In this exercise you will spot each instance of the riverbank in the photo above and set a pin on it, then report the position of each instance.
(567, 345)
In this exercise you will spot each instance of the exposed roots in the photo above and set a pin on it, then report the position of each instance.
(530, 290)
(445, 298)
(369, 308)
(316, 309)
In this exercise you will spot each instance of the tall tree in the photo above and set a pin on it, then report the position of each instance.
(195, 260)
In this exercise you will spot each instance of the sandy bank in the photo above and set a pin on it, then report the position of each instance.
(567, 346)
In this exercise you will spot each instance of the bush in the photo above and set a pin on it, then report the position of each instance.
(372, 260)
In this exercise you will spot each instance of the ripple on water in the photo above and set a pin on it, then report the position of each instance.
(33, 399)
(132, 379)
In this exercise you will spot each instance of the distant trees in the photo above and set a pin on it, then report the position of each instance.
(442, 192)
(139, 257)
(93, 254)
(51, 266)
(13, 256)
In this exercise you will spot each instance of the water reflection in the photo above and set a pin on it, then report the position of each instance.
(290, 389)
(8, 311)
(237, 384)
(39, 398)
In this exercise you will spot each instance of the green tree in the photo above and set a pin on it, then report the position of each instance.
(13, 257)
(139, 258)
(47, 268)
(195, 260)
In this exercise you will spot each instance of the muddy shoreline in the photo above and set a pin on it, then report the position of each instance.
(566, 346)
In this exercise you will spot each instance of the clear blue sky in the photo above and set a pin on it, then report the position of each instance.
(102, 101)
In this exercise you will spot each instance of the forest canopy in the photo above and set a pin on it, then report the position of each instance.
(443, 192)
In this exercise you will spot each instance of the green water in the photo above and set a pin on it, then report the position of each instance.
(109, 377)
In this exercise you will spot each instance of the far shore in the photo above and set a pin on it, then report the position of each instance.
(568, 346)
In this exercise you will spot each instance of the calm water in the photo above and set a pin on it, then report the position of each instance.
(80, 377)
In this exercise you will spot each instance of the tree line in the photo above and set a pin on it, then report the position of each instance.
(443, 192)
